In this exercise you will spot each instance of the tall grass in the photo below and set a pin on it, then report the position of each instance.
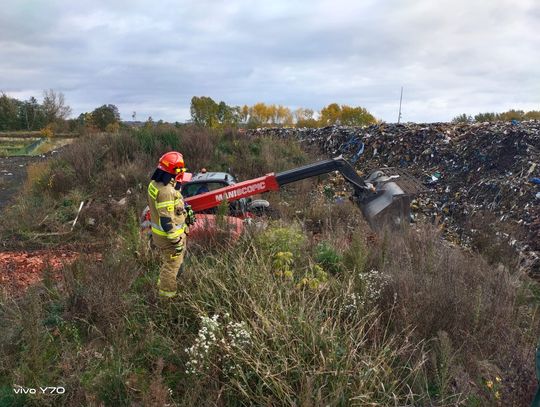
(311, 310)
(240, 332)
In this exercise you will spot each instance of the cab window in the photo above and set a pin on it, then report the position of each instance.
(200, 188)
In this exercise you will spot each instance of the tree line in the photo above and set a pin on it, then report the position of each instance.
(209, 113)
(30, 114)
(52, 114)
(507, 116)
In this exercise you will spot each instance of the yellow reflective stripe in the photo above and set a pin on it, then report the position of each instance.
(159, 232)
(180, 228)
(164, 204)
(175, 233)
(168, 294)
(152, 191)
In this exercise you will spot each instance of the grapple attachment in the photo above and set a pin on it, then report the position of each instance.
(386, 200)
(384, 197)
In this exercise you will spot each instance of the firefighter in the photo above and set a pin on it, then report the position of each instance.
(168, 216)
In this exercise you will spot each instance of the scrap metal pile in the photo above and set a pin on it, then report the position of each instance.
(482, 179)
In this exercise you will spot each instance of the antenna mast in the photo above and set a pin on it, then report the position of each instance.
(400, 100)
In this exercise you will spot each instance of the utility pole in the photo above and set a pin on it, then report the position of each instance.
(400, 100)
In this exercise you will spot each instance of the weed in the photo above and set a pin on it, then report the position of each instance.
(355, 256)
(328, 257)
(282, 264)
(281, 239)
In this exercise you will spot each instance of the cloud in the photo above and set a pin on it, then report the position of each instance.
(152, 57)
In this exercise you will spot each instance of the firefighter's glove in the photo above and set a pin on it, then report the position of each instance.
(190, 215)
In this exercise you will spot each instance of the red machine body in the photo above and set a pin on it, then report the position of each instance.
(234, 192)
(207, 225)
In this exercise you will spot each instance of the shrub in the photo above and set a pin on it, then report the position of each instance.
(285, 358)
(355, 257)
(328, 257)
(281, 239)
(198, 145)
(47, 132)
(37, 177)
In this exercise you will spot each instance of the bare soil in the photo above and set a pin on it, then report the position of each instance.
(19, 270)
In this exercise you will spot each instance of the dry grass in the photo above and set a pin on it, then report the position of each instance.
(314, 310)
(475, 309)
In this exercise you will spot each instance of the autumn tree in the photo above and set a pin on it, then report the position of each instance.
(532, 115)
(485, 117)
(228, 115)
(512, 115)
(330, 115)
(204, 111)
(305, 118)
(463, 118)
(284, 116)
(259, 115)
(356, 116)
(31, 115)
(346, 115)
(244, 114)
(507, 116)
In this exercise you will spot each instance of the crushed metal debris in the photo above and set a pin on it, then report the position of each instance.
(481, 178)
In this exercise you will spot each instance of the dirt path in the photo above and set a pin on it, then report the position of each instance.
(13, 175)
(19, 269)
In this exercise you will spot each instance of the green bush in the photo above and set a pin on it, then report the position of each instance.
(328, 257)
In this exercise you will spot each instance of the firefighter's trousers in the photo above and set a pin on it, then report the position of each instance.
(170, 265)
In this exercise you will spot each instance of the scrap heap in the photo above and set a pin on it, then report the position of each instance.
(483, 179)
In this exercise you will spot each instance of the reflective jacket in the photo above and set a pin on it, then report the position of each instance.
(167, 213)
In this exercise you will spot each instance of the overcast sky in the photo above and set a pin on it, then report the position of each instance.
(151, 57)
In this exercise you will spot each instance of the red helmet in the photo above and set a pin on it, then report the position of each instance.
(171, 162)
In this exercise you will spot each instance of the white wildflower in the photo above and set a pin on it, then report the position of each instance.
(351, 303)
(216, 343)
(374, 283)
(238, 334)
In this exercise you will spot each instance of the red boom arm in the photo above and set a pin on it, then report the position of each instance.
(233, 192)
